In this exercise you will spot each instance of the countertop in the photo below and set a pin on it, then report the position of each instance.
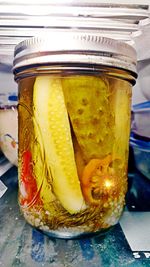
(126, 244)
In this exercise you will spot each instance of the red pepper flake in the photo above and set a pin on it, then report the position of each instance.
(28, 188)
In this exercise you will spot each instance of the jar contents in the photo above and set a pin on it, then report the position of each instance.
(73, 155)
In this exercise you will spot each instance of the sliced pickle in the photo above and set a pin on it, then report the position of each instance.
(120, 103)
(52, 119)
(87, 101)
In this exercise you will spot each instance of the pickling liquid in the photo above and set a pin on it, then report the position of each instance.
(73, 152)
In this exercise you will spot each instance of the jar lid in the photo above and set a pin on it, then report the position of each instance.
(74, 47)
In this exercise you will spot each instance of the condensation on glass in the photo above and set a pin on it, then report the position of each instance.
(74, 125)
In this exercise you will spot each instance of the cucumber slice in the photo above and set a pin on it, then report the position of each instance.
(121, 104)
(52, 119)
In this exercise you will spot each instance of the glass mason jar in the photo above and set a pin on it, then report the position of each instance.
(74, 126)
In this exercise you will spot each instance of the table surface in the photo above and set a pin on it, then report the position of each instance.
(23, 246)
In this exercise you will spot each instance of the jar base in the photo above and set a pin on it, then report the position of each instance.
(68, 235)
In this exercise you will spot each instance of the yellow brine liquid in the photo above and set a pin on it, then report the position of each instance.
(73, 151)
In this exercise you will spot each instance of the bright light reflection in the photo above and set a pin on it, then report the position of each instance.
(108, 183)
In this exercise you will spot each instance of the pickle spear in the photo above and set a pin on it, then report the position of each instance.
(87, 101)
(51, 116)
(121, 104)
